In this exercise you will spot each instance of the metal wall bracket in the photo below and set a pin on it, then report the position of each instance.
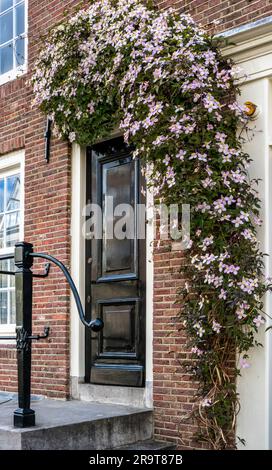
(23, 339)
(47, 136)
(44, 274)
(46, 271)
(38, 337)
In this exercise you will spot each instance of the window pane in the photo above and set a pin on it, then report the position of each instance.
(6, 58)
(5, 4)
(11, 266)
(20, 51)
(3, 308)
(12, 307)
(12, 228)
(20, 19)
(6, 27)
(2, 231)
(13, 192)
(4, 277)
(2, 185)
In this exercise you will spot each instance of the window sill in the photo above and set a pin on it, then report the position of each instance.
(7, 330)
(12, 75)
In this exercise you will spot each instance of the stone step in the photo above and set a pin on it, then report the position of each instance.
(75, 425)
(149, 444)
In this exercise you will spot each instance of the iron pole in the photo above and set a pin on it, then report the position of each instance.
(24, 416)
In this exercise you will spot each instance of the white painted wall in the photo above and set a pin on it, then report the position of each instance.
(149, 299)
(253, 386)
(77, 349)
(253, 51)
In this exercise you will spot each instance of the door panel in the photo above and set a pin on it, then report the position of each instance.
(120, 319)
(115, 268)
(119, 186)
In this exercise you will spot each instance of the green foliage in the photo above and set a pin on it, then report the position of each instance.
(161, 79)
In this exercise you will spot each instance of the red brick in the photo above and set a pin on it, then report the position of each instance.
(47, 225)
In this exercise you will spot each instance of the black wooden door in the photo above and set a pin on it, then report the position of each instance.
(115, 268)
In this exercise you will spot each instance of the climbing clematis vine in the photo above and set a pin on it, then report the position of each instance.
(162, 80)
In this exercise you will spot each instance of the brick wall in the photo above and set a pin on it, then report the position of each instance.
(229, 13)
(173, 387)
(47, 225)
(47, 216)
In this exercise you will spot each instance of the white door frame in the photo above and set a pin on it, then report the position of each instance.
(122, 395)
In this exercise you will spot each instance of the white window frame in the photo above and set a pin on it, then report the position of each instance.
(10, 164)
(21, 69)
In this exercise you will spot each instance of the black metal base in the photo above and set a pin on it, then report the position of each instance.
(24, 418)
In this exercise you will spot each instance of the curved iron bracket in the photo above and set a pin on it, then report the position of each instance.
(44, 274)
(95, 325)
(45, 334)
(22, 338)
